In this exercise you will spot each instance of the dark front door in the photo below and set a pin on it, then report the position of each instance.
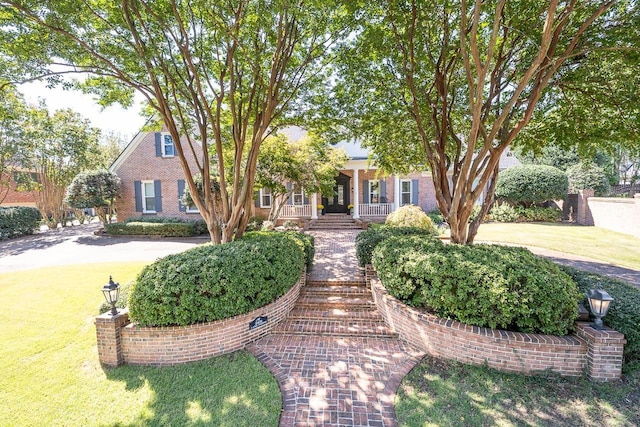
(338, 202)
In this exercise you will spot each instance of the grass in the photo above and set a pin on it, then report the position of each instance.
(593, 242)
(445, 393)
(51, 374)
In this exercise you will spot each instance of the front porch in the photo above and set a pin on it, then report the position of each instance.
(365, 210)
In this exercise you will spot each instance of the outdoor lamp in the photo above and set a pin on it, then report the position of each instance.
(599, 301)
(111, 292)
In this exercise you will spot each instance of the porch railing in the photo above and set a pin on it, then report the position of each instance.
(295, 211)
(378, 209)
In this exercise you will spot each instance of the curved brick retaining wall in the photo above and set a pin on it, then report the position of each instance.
(598, 353)
(120, 341)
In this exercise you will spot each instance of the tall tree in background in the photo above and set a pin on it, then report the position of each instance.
(449, 85)
(56, 147)
(12, 117)
(224, 73)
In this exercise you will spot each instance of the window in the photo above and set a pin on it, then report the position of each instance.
(297, 198)
(265, 198)
(405, 192)
(374, 191)
(148, 197)
(167, 145)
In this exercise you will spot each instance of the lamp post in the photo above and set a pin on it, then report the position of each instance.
(599, 301)
(111, 293)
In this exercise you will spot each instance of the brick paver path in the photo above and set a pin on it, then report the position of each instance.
(336, 362)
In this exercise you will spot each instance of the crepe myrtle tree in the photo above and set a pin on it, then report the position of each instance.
(97, 190)
(220, 75)
(448, 86)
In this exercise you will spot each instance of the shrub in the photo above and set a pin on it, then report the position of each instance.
(588, 175)
(94, 189)
(18, 221)
(214, 282)
(624, 312)
(436, 216)
(529, 184)
(306, 242)
(410, 216)
(504, 212)
(482, 285)
(151, 229)
(255, 223)
(367, 240)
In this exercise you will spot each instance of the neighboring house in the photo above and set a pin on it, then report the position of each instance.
(152, 178)
(153, 182)
(11, 196)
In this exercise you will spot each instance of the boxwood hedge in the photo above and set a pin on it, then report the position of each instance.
(367, 241)
(214, 282)
(624, 312)
(305, 241)
(18, 221)
(482, 285)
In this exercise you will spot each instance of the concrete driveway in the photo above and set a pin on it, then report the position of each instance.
(79, 245)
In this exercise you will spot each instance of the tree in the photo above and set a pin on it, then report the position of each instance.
(55, 149)
(94, 189)
(308, 165)
(12, 113)
(223, 73)
(588, 175)
(448, 86)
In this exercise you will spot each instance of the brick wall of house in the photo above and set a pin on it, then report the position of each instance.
(142, 164)
(136, 345)
(598, 353)
(14, 197)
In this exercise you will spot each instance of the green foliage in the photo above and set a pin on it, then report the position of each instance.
(199, 225)
(175, 229)
(436, 216)
(482, 285)
(306, 242)
(410, 216)
(214, 282)
(588, 175)
(624, 312)
(18, 221)
(530, 184)
(94, 189)
(504, 212)
(367, 240)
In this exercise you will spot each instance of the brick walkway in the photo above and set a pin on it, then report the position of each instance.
(335, 360)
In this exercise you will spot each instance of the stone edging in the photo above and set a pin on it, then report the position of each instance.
(120, 341)
(598, 353)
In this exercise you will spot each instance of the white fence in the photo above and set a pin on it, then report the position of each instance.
(295, 211)
(379, 209)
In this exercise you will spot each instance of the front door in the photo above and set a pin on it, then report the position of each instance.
(338, 202)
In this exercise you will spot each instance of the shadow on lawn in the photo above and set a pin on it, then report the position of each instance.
(449, 393)
(231, 390)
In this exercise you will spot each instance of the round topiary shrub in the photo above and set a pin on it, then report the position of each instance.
(214, 282)
(530, 184)
(367, 241)
(410, 216)
(482, 285)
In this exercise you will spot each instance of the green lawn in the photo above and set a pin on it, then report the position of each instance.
(593, 242)
(51, 375)
(445, 393)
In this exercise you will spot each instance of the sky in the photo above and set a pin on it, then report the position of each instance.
(112, 119)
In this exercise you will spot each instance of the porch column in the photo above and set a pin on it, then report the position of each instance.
(396, 192)
(314, 206)
(356, 195)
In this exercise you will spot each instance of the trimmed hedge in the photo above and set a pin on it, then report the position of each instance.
(367, 240)
(305, 241)
(150, 229)
(529, 184)
(483, 285)
(506, 213)
(18, 221)
(624, 312)
(214, 282)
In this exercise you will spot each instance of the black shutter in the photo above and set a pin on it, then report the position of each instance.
(414, 192)
(137, 189)
(365, 192)
(158, 137)
(158, 190)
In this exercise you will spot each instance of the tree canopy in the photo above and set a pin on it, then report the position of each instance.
(222, 73)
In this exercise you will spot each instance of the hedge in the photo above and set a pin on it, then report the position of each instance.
(483, 285)
(199, 225)
(214, 282)
(150, 229)
(18, 221)
(305, 241)
(506, 213)
(367, 240)
(624, 312)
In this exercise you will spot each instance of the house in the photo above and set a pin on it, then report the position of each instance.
(153, 183)
(10, 195)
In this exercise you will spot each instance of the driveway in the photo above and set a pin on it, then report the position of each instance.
(79, 245)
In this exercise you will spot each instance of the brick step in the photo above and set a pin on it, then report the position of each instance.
(330, 313)
(336, 290)
(359, 281)
(333, 302)
(335, 328)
